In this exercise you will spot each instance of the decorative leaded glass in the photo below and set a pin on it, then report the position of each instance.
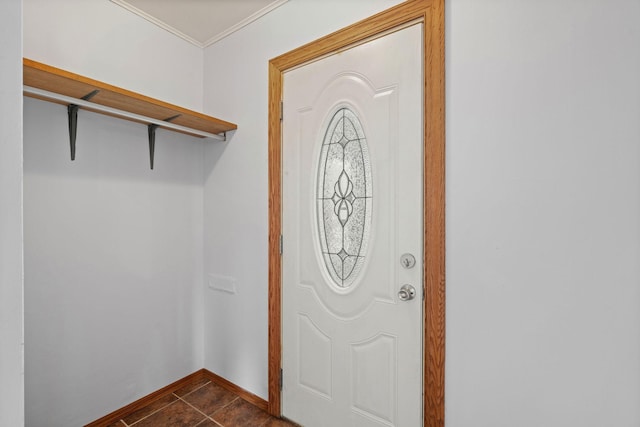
(343, 197)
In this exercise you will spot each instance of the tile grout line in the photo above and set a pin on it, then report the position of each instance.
(221, 408)
(209, 419)
(192, 391)
(205, 415)
(147, 416)
(160, 409)
(265, 421)
(181, 398)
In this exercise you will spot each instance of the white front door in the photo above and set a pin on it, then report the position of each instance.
(352, 226)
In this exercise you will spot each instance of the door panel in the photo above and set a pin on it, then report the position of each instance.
(352, 206)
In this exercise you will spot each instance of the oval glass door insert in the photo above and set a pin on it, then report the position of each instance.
(344, 197)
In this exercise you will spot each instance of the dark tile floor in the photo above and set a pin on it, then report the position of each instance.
(201, 404)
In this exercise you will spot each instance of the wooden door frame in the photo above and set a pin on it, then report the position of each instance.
(431, 12)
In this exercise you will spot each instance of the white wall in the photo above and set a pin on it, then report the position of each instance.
(103, 41)
(543, 201)
(543, 213)
(113, 251)
(11, 359)
(236, 84)
(112, 264)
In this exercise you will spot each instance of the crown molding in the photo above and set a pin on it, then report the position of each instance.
(160, 23)
(274, 5)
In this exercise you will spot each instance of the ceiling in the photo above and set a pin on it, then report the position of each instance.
(201, 22)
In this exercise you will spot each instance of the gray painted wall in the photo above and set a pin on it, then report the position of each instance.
(112, 250)
(11, 308)
(543, 208)
(112, 262)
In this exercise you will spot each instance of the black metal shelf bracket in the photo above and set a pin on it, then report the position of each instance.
(152, 137)
(72, 111)
(152, 142)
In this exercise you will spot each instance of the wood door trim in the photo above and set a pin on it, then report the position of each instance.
(431, 12)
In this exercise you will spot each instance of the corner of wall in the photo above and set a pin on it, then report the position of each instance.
(11, 243)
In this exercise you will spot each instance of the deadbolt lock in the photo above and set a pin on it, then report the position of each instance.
(407, 261)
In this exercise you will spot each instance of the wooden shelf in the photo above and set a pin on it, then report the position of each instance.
(45, 77)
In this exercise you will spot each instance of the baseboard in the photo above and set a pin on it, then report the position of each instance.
(174, 386)
(242, 393)
(144, 401)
